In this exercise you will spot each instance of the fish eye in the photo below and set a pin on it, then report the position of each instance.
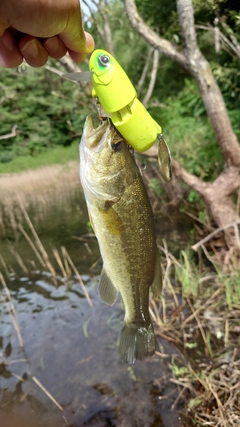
(118, 146)
(104, 60)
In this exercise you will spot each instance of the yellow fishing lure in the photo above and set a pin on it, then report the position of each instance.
(118, 97)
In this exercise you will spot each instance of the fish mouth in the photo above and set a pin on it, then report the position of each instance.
(96, 138)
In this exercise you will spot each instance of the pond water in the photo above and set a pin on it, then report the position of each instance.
(70, 347)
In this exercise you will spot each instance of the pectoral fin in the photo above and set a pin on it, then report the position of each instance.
(112, 220)
(91, 221)
(157, 282)
(107, 290)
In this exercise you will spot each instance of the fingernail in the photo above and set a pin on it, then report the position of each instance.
(52, 44)
(7, 41)
(31, 48)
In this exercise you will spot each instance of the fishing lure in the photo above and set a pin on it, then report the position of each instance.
(117, 95)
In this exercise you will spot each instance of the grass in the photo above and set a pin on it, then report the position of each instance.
(58, 155)
(204, 325)
(40, 189)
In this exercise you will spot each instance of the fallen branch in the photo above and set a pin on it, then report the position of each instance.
(209, 237)
(10, 135)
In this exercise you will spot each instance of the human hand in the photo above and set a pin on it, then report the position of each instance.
(37, 29)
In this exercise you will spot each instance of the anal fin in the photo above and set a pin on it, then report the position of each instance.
(107, 290)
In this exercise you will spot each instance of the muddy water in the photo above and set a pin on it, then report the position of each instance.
(70, 348)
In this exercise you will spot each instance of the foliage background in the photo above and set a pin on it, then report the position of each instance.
(50, 111)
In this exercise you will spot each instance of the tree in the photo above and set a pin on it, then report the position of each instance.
(100, 20)
(218, 195)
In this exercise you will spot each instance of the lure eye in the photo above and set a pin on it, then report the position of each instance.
(118, 146)
(104, 60)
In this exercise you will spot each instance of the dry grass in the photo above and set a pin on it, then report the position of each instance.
(39, 190)
(39, 182)
(64, 261)
(202, 321)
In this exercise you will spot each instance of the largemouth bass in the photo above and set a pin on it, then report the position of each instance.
(121, 216)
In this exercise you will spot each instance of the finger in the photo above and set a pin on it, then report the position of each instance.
(80, 57)
(75, 38)
(33, 51)
(10, 56)
(55, 47)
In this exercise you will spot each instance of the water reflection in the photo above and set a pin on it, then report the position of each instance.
(71, 351)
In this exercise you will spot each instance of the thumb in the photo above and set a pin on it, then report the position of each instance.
(78, 42)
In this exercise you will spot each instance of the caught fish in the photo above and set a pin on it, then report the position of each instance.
(117, 95)
(122, 219)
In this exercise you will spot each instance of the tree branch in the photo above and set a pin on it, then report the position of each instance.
(93, 20)
(193, 181)
(217, 195)
(181, 173)
(186, 19)
(216, 35)
(144, 71)
(227, 182)
(69, 64)
(211, 235)
(225, 42)
(152, 78)
(193, 60)
(163, 45)
(10, 135)
(235, 44)
(104, 31)
(106, 25)
(210, 92)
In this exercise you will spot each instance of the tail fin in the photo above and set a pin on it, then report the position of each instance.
(136, 342)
